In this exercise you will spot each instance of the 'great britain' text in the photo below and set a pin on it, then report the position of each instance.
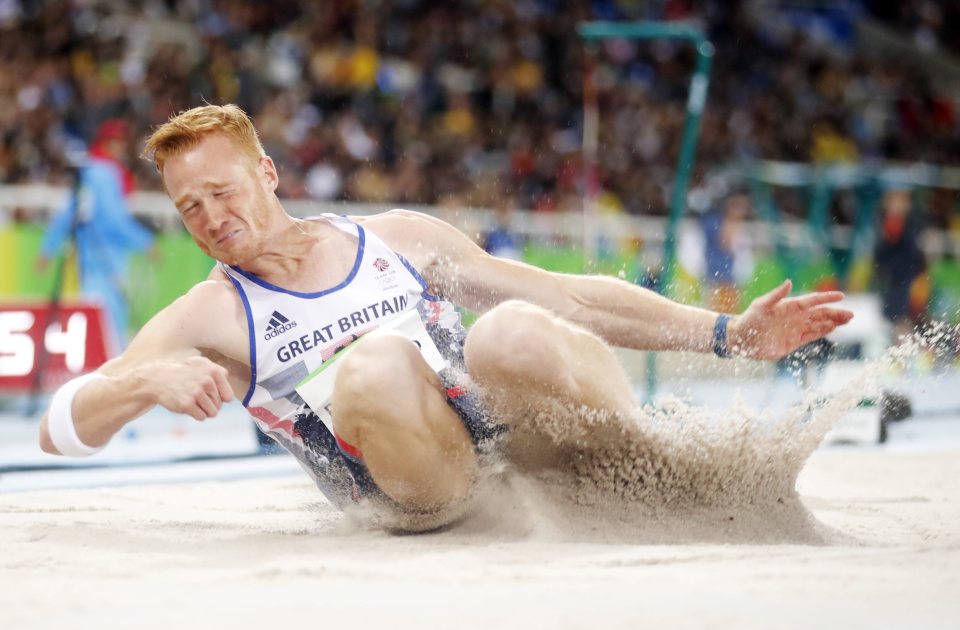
(325, 334)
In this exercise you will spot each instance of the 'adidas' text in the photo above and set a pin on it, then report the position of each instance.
(278, 325)
(279, 330)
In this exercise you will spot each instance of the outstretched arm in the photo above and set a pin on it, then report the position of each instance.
(162, 366)
(622, 313)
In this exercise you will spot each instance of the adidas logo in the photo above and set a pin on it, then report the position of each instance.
(278, 325)
(277, 320)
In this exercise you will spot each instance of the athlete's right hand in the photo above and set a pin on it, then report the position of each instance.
(196, 386)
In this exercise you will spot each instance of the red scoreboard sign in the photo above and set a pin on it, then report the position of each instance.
(72, 340)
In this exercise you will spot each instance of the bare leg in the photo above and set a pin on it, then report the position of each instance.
(389, 404)
(524, 357)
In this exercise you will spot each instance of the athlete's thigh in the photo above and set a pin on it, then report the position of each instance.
(390, 409)
(528, 353)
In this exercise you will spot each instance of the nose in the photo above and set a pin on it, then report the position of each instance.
(215, 215)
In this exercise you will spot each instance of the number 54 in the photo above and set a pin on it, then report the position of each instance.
(17, 349)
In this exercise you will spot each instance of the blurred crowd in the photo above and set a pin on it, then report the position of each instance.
(461, 102)
(931, 24)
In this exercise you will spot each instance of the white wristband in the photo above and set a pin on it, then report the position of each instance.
(63, 433)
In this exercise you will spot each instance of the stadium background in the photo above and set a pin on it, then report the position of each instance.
(478, 104)
(461, 108)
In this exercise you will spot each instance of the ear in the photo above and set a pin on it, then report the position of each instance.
(268, 171)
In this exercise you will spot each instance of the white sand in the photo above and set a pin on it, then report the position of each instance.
(678, 517)
(270, 553)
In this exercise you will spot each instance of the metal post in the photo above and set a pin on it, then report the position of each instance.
(767, 208)
(691, 132)
(591, 170)
(688, 149)
(818, 214)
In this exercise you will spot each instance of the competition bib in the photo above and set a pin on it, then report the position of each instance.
(317, 388)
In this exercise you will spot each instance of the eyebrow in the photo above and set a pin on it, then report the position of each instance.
(179, 200)
(207, 185)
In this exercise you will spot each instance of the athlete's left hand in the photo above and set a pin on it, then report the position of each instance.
(775, 325)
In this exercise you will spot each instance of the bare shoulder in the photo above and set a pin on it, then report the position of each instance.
(209, 316)
(452, 264)
(418, 237)
(212, 296)
(210, 310)
(400, 223)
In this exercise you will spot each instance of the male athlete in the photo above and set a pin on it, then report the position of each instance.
(373, 296)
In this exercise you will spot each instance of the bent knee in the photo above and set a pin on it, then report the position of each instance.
(515, 337)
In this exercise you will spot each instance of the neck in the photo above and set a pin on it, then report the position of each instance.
(285, 251)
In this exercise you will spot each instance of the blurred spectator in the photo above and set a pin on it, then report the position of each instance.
(416, 101)
(727, 252)
(930, 24)
(97, 222)
(898, 258)
(111, 145)
(501, 241)
(829, 145)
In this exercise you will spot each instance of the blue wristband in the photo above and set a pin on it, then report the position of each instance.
(720, 347)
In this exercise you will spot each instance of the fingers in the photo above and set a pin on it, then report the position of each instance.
(788, 324)
(223, 385)
(770, 299)
(816, 299)
(841, 316)
(198, 388)
(214, 391)
(838, 316)
(202, 403)
(196, 412)
(209, 401)
(823, 322)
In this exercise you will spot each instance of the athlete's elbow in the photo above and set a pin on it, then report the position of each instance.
(46, 443)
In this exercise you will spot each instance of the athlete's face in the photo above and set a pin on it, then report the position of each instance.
(224, 197)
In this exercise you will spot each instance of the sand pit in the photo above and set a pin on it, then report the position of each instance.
(687, 518)
(272, 553)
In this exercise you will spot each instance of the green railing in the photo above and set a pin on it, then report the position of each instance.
(696, 99)
(153, 284)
